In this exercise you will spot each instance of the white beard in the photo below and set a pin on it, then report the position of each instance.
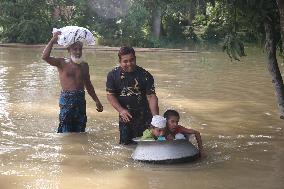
(76, 60)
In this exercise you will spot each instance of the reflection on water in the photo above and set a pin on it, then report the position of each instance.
(232, 104)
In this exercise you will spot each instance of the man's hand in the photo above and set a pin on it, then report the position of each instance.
(55, 36)
(47, 50)
(100, 107)
(125, 115)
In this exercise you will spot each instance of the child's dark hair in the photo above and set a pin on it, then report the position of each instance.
(125, 50)
(170, 113)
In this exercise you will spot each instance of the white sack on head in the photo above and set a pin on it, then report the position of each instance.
(71, 34)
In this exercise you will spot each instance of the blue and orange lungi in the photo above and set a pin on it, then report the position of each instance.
(72, 116)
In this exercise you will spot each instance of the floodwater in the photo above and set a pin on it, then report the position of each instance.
(232, 104)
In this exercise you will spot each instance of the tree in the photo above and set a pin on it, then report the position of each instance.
(268, 14)
(270, 45)
(26, 21)
(280, 4)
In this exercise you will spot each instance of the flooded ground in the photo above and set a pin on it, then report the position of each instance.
(232, 104)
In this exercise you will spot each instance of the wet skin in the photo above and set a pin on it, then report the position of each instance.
(72, 76)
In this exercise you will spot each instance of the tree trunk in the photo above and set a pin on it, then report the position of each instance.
(156, 24)
(272, 65)
(202, 6)
(191, 11)
(280, 4)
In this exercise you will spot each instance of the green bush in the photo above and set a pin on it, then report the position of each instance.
(26, 21)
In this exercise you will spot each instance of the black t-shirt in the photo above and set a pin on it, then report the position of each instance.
(131, 88)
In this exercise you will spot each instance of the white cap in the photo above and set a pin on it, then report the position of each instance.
(159, 121)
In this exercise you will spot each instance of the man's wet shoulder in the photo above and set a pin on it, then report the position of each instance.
(143, 71)
(115, 69)
(84, 64)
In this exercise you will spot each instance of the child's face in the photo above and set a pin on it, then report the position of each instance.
(128, 62)
(158, 132)
(172, 122)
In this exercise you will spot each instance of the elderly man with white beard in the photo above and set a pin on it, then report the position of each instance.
(74, 78)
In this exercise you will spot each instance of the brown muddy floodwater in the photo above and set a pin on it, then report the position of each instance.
(232, 104)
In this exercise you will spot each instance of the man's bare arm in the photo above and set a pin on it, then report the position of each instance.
(153, 104)
(47, 50)
(89, 86)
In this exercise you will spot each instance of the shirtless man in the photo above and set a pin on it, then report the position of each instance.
(74, 77)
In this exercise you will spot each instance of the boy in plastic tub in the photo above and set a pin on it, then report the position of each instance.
(74, 77)
(156, 130)
(176, 131)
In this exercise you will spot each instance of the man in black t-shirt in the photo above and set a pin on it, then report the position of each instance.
(131, 91)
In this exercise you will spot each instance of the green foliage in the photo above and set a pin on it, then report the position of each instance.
(214, 32)
(218, 24)
(189, 34)
(25, 21)
(233, 47)
(172, 27)
(108, 30)
(183, 22)
(134, 27)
